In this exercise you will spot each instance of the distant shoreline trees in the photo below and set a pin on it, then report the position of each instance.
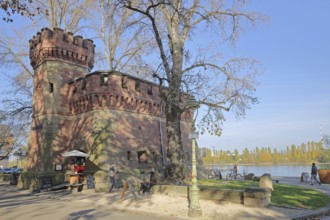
(304, 153)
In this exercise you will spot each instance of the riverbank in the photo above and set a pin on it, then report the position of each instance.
(288, 170)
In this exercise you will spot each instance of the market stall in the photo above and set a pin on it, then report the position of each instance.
(76, 168)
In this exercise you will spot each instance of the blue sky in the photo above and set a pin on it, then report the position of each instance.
(294, 92)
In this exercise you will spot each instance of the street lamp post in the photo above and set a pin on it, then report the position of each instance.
(194, 207)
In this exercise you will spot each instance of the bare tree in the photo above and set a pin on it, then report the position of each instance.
(184, 67)
(121, 36)
(12, 134)
(16, 115)
(68, 15)
(11, 7)
(16, 68)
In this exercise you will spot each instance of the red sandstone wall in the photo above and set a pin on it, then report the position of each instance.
(33, 157)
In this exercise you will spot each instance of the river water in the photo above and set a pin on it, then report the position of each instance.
(293, 170)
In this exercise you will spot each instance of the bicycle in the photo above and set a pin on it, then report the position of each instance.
(233, 175)
(215, 174)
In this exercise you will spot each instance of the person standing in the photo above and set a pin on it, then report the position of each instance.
(146, 185)
(235, 170)
(112, 175)
(314, 174)
(152, 178)
(70, 167)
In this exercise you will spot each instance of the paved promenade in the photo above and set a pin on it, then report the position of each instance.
(55, 205)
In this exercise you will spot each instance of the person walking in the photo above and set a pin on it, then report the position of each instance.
(112, 175)
(314, 174)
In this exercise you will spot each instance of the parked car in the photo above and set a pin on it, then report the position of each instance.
(7, 171)
(11, 170)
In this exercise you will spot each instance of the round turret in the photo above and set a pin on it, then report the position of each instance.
(56, 45)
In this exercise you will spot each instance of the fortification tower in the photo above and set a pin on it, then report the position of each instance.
(57, 59)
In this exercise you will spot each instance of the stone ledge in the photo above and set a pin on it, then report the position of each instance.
(254, 196)
(257, 193)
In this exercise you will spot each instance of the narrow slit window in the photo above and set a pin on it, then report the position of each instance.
(129, 155)
(84, 83)
(74, 90)
(150, 90)
(124, 82)
(138, 86)
(51, 87)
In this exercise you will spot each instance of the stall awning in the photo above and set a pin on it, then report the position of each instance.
(75, 153)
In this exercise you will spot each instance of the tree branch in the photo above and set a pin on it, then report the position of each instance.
(203, 64)
(128, 5)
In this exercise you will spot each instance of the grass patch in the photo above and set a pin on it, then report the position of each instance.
(298, 196)
(283, 194)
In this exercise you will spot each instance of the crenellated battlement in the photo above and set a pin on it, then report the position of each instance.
(57, 45)
(119, 91)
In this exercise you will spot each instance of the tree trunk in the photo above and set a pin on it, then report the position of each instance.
(175, 151)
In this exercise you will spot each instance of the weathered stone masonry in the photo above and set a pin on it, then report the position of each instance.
(112, 116)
